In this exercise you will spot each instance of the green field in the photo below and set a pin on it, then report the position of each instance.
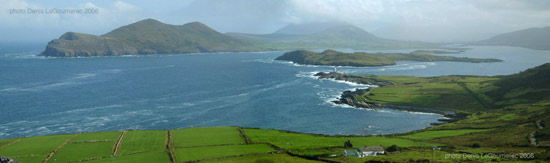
(155, 156)
(266, 158)
(142, 141)
(97, 136)
(308, 141)
(198, 153)
(41, 146)
(206, 136)
(426, 135)
(82, 151)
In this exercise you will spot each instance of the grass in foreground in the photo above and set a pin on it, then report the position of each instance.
(202, 136)
(40, 145)
(308, 141)
(142, 141)
(83, 151)
(265, 158)
(198, 153)
(155, 156)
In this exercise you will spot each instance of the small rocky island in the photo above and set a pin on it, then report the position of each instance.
(361, 59)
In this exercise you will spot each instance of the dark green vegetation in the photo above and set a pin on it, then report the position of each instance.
(147, 37)
(533, 38)
(359, 59)
(459, 93)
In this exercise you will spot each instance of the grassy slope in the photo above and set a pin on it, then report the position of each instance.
(198, 153)
(360, 59)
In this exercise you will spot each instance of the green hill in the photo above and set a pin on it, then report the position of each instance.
(533, 38)
(529, 86)
(361, 59)
(148, 36)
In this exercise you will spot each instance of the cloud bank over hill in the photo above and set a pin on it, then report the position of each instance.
(423, 20)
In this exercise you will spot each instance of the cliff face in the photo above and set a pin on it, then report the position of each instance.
(73, 44)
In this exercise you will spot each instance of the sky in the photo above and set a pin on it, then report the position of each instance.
(413, 20)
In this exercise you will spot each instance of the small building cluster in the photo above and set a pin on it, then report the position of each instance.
(365, 151)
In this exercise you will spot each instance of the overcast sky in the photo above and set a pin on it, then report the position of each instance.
(422, 20)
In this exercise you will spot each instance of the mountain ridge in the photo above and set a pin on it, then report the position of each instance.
(533, 38)
(148, 36)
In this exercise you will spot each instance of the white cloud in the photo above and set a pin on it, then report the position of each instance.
(426, 20)
(44, 26)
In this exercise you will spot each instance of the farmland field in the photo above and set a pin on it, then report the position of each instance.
(142, 141)
(197, 153)
(302, 141)
(426, 135)
(206, 136)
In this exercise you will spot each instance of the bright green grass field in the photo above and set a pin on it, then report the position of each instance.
(40, 145)
(302, 141)
(206, 136)
(427, 135)
(4, 142)
(156, 156)
(81, 151)
(197, 153)
(33, 159)
(113, 135)
(266, 158)
(140, 141)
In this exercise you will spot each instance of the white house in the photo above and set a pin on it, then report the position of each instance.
(371, 150)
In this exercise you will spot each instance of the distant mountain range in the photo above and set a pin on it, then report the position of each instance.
(150, 36)
(533, 38)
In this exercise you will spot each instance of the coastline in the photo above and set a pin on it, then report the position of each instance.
(349, 97)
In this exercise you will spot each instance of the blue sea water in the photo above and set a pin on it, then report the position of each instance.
(40, 96)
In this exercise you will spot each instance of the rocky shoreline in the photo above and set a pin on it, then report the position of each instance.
(350, 97)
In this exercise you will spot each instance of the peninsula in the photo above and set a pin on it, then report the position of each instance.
(360, 59)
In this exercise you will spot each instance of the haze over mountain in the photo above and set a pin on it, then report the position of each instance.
(308, 28)
(533, 38)
(326, 35)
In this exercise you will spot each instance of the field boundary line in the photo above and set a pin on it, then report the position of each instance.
(31, 155)
(117, 145)
(222, 157)
(15, 141)
(59, 147)
(169, 141)
(213, 145)
(474, 95)
(244, 136)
